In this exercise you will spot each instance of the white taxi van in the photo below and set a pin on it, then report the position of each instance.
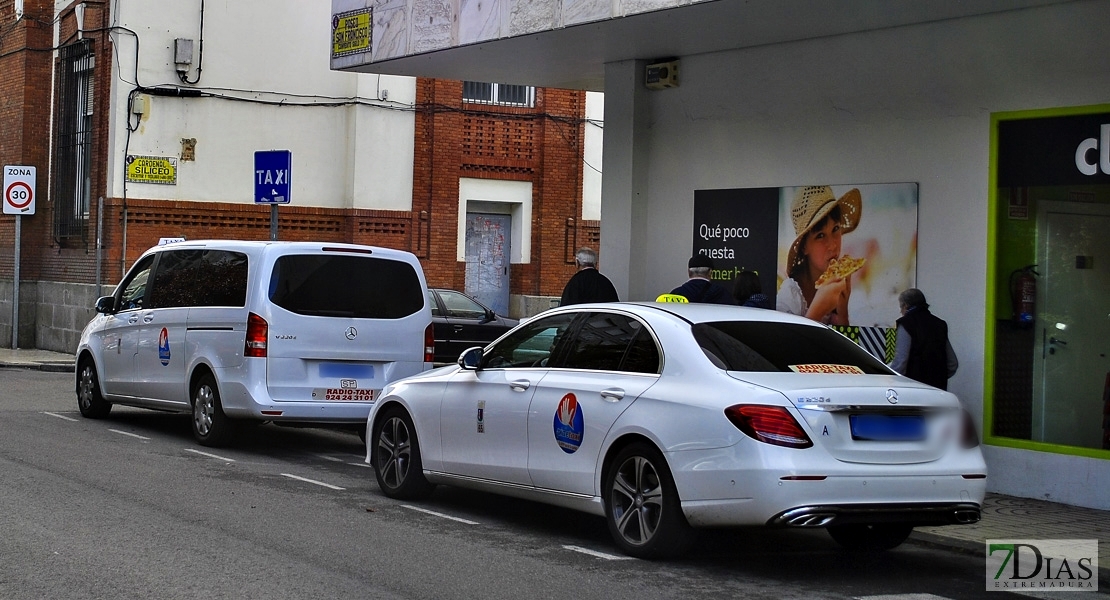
(235, 331)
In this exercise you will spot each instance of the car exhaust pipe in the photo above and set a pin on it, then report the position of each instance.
(965, 516)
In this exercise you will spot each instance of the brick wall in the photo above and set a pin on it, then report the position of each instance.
(542, 144)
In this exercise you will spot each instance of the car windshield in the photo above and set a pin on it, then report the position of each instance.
(782, 347)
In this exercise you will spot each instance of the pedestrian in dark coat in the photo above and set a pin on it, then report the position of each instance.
(699, 288)
(922, 350)
(748, 291)
(588, 284)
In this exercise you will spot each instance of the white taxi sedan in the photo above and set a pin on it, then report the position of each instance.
(668, 417)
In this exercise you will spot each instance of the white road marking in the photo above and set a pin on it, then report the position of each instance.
(360, 464)
(596, 554)
(313, 481)
(63, 417)
(902, 597)
(134, 435)
(215, 456)
(436, 514)
(331, 458)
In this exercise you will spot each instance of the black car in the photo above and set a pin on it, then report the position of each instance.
(460, 322)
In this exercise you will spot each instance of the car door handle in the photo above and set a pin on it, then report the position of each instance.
(520, 385)
(133, 319)
(612, 394)
(148, 318)
(458, 328)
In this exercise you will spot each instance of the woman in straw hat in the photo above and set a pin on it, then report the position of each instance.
(820, 219)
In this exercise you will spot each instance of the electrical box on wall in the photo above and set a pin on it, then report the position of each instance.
(182, 53)
(661, 75)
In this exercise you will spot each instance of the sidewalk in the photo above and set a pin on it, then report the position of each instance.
(42, 360)
(1004, 517)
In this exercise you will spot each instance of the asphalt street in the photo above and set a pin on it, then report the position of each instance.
(132, 507)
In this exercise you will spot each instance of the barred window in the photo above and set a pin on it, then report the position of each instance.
(498, 93)
(73, 147)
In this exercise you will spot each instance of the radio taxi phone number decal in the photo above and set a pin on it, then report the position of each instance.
(343, 395)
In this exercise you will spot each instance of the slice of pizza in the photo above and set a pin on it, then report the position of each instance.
(840, 267)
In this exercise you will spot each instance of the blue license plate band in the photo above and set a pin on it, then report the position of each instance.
(887, 428)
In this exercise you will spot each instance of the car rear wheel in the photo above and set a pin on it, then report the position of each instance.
(870, 537)
(642, 505)
(211, 427)
(89, 400)
(396, 457)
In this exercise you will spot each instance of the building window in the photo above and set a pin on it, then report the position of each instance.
(73, 150)
(498, 93)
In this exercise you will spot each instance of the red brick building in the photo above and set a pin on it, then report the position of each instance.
(74, 241)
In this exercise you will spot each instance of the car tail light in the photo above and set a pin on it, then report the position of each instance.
(969, 438)
(429, 345)
(257, 332)
(768, 424)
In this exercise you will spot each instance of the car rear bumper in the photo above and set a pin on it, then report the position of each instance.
(759, 484)
(959, 513)
(246, 397)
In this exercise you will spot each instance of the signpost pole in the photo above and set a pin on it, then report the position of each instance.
(19, 200)
(272, 171)
(15, 286)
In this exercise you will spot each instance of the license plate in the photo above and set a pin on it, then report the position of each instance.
(343, 395)
(887, 428)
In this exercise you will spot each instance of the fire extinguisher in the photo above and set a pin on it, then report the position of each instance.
(1023, 295)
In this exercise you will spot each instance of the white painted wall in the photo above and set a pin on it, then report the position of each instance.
(351, 135)
(592, 156)
(875, 107)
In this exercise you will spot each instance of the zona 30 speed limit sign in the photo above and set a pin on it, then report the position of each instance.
(19, 190)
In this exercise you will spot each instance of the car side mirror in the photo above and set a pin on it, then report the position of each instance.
(105, 305)
(489, 316)
(471, 358)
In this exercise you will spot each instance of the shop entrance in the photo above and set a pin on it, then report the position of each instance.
(1071, 350)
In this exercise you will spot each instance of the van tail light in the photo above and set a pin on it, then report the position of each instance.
(768, 424)
(969, 437)
(257, 332)
(429, 344)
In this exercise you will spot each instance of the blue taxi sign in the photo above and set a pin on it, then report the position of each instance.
(272, 170)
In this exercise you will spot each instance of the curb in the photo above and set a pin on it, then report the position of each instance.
(53, 367)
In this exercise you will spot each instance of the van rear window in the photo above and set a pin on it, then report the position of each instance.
(362, 287)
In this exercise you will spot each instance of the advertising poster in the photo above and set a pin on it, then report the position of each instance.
(738, 230)
(837, 254)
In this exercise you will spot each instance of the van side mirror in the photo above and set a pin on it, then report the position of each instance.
(471, 358)
(105, 305)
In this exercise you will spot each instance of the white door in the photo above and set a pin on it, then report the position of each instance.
(484, 424)
(1072, 323)
(484, 417)
(610, 361)
(120, 334)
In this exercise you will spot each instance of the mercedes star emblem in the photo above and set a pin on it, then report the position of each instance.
(352, 333)
(892, 396)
